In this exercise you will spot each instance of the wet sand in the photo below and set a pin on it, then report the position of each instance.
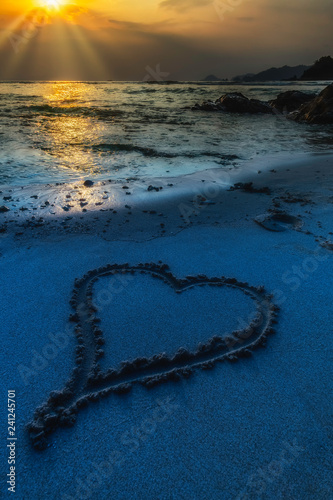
(254, 426)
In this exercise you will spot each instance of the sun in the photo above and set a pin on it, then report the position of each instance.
(51, 4)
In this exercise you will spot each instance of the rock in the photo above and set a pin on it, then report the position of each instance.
(235, 102)
(238, 103)
(206, 106)
(3, 209)
(278, 222)
(327, 244)
(319, 110)
(249, 188)
(290, 101)
(88, 183)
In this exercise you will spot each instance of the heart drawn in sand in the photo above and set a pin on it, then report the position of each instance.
(89, 383)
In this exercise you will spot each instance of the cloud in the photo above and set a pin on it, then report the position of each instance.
(72, 11)
(246, 19)
(48, 57)
(140, 27)
(257, 35)
(302, 8)
(182, 5)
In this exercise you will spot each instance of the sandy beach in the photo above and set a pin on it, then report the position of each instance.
(167, 266)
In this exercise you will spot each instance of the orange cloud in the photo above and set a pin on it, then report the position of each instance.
(71, 12)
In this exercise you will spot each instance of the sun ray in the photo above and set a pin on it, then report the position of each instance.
(10, 30)
(86, 48)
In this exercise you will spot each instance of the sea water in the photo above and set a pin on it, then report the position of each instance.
(64, 131)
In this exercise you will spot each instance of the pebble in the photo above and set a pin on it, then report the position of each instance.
(88, 183)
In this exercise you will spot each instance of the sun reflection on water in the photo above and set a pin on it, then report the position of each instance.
(69, 138)
(66, 93)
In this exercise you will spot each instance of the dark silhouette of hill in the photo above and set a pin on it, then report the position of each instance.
(213, 78)
(321, 70)
(274, 74)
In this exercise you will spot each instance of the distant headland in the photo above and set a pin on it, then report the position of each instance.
(322, 69)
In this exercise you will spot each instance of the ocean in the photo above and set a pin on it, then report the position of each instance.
(65, 131)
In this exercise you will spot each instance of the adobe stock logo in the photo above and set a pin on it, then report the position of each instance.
(155, 75)
(222, 8)
(33, 23)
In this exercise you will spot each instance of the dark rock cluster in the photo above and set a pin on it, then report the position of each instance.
(235, 102)
(296, 105)
(319, 110)
(290, 101)
(248, 187)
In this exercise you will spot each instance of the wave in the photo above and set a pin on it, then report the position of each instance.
(21, 82)
(153, 153)
(16, 97)
(161, 89)
(138, 113)
(47, 109)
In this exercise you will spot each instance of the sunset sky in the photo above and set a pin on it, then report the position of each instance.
(189, 39)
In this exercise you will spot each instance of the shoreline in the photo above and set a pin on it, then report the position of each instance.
(146, 209)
